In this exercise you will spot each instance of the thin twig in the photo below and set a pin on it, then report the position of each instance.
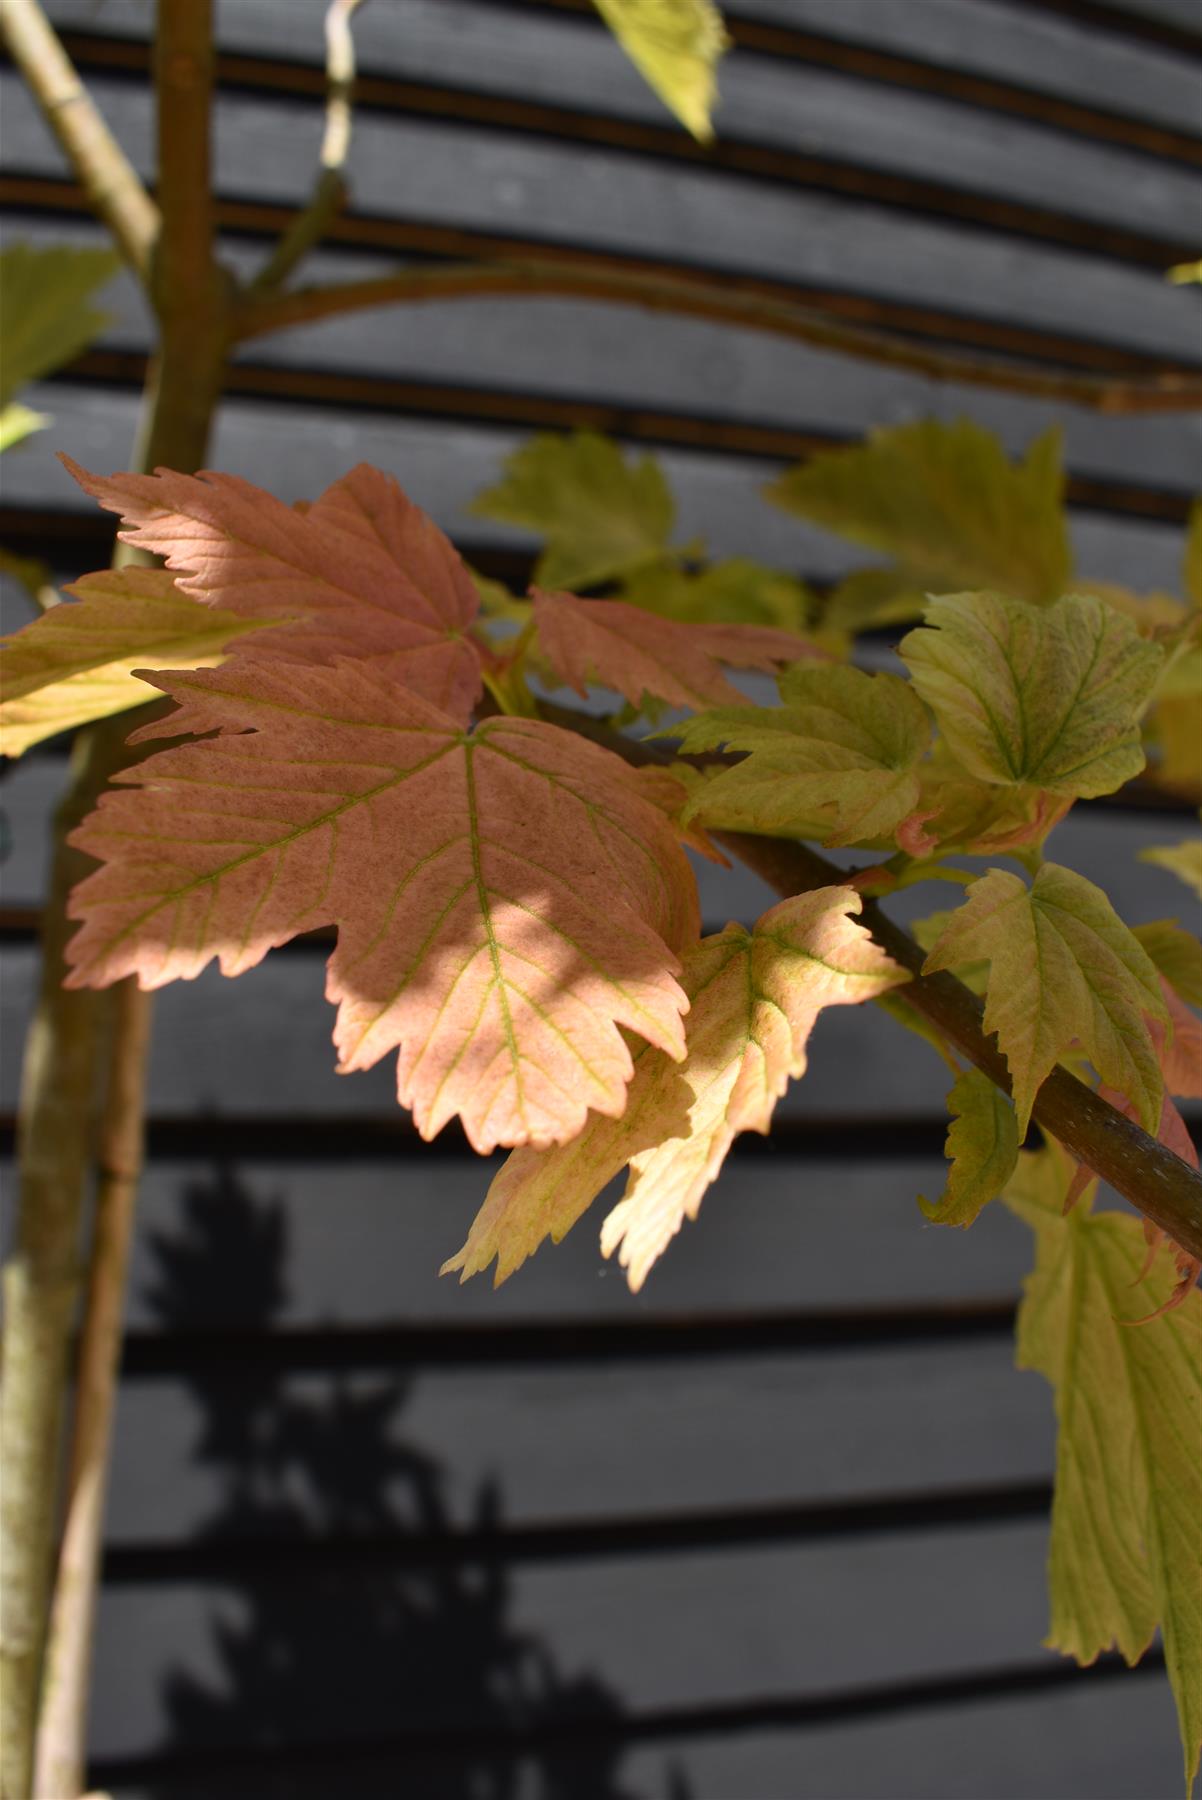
(1163, 1187)
(704, 298)
(109, 179)
(60, 1739)
(329, 190)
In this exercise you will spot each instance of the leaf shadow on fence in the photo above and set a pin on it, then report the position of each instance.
(385, 1635)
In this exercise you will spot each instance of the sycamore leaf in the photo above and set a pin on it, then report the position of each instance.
(1048, 697)
(361, 572)
(675, 45)
(838, 760)
(753, 1000)
(982, 1150)
(18, 422)
(1183, 860)
(505, 899)
(1191, 573)
(1179, 1046)
(1128, 1496)
(977, 818)
(44, 302)
(636, 653)
(734, 591)
(1177, 954)
(947, 504)
(1062, 966)
(75, 663)
(601, 515)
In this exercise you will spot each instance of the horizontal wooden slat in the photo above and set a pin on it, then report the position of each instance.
(691, 1630)
(354, 1245)
(698, 1436)
(780, 121)
(1085, 1739)
(443, 465)
(459, 176)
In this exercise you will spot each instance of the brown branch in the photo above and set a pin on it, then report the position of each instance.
(60, 1738)
(329, 191)
(1164, 1188)
(108, 178)
(702, 298)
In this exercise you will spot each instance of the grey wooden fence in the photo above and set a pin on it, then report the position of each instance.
(776, 1527)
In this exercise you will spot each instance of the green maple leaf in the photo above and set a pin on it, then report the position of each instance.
(601, 515)
(44, 302)
(1183, 860)
(1049, 697)
(76, 663)
(1062, 967)
(982, 1150)
(736, 590)
(675, 45)
(837, 761)
(1128, 1496)
(948, 505)
(1177, 954)
(1191, 573)
(753, 1000)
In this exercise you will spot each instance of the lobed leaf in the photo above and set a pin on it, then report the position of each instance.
(1191, 572)
(753, 1000)
(837, 761)
(1047, 697)
(45, 299)
(505, 898)
(76, 662)
(982, 1150)
(1183, 860)
(637, 654)
(362, 572)
(676, 46)
(1128, 1495)
(736, 589)
(601, 515)
(947, 504)
(1062, 967)
(1177, 955)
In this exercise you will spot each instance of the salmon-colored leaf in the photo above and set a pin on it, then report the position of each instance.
(638, 653)
(754, 997)
(361, 572)
(505, 899)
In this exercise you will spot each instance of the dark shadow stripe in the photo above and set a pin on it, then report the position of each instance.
(419, 240)
(763, 163)
(931, 1694)
(235, 1352)
(348, 393)
(249, 1560)
(1118, 21)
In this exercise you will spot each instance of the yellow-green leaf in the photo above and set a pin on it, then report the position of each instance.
(601, 515)
(1183, 860)
(1128, 1496)
(981, 1148)
(947, 504)
(737, 591)
(1191, 574)
(18, 421)
(753, 999)
(1047, 697)
(1062, 966)
(44, 297)
(675, 45)
(1177, 954)
(76, 662)
(837, 761)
